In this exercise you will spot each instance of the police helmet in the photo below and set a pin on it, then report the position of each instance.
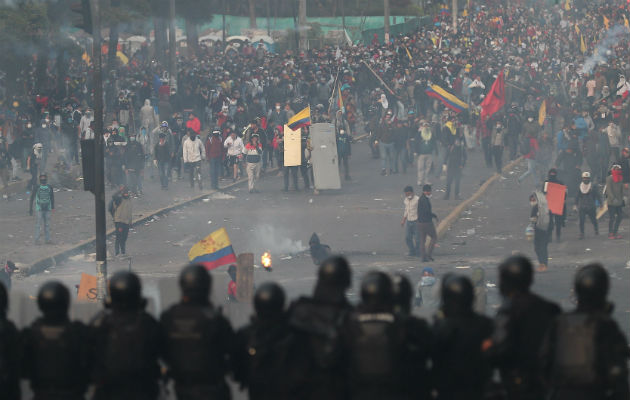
(164, 124)
(53, 299)
(457, 295)
(269, 300)
(335, 271)
(403, 293)
(591, 286)
(195, 283)
(377, 291)
(515, 275)
(124, 291)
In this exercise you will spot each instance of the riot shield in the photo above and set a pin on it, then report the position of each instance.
(324, 157)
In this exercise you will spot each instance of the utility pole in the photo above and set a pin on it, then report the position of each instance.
(268, 18)
(172, 45)
(343, 16)
(302, 28)
(99, 158)
(223, 18)
(386, 16)
(454, 15)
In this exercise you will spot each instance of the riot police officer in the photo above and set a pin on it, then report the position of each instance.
(520, 326)
(419, 339)
(54, 353)
(125, 344)
(198, 340)
(316, 323)
(585, 355)
(264, 347)
(9, 355)
(375, 342)
(459, 367)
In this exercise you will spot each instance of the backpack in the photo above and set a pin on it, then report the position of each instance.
(44, 195)
(575, 351)
(525, 147)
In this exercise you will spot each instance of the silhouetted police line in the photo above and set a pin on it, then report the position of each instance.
(321, 347)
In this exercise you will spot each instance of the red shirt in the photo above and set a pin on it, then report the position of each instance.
(194, 124)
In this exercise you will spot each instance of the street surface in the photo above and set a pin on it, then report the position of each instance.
(360, 221)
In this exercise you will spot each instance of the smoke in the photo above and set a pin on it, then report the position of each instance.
(603, 51)
(277, 241)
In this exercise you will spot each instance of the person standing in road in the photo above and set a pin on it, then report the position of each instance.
(344, 151)
(410, 222)
(613, 191)
(425, 224)
(161, 158)
(586, 202)
(253, 153)
(235, 150)
(555, 221)
(455, 162)
(134, 164)
(386, 145)
(44, 198)
(425, 146)
(120, 208)
(193, 153)
(539, 217)
(498, 143)
(214, 152)
(529, 149)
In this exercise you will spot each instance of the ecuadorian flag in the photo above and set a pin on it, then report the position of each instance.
(213, 251)
(446, 98)
(301, 119)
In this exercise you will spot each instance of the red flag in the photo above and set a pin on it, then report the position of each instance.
(495, 98)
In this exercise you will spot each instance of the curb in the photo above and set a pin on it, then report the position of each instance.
(453, 216)
(54, 258)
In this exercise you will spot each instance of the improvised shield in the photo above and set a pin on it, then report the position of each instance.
(324, 156)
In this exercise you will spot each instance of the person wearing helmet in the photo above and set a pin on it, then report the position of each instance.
(460, 369)
(319, 370)
(375, 342)
(9, 351)
(34, 164)
(419, 335)
(520, 326)
(125, 366)
(613, 191)
(599, 370)
(198, 339)
(54, 350)
(263, 347)
(587, 201)
(44, 198)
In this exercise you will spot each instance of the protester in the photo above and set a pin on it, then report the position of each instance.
(613, 192)
(410, 221)
(425, 224)
(44, 198)
(120, 209)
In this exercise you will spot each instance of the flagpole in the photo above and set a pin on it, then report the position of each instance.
(332, 96)
(378, 77)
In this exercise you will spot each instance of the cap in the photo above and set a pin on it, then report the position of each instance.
(586, 174)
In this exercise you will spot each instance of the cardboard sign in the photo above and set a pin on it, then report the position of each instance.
(556, 195)
(292, 147)
(87, 288)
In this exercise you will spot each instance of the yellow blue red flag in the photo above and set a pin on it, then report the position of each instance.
(213, 251)
(446, 98)
(301, 119)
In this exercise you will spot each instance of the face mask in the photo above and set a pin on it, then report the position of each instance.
(530, 119)
(603, 115)
(28, 126)
(192, 138)
(132, 139)
(428, 195)
(106, 137)
(43, 125)
(278, 108)
(43, 181)
(410, 197)
(532, 203)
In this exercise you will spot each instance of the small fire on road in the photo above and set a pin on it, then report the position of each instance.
(265, 260)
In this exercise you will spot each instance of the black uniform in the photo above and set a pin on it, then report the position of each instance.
(317, 370)
(134, 163)
(55, 359)
(198, 342)
(9, 354)
(520, 326)
(125, 352)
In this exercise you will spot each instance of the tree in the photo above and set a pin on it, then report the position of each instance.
(195, 12)
(252, 14)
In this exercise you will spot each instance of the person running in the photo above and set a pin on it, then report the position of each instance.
(425, 224)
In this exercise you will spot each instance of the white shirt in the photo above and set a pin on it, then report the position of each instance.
(234, 147)
(411, 208)
(193, 151)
